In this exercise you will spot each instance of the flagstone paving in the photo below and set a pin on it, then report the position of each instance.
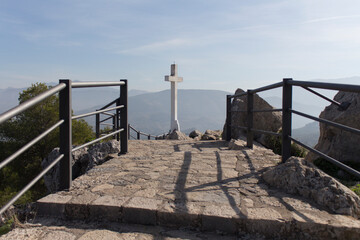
(199, 186)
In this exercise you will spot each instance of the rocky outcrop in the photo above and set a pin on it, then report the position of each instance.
(82, 160)
(196, 135)
(339, 144)
(212, 135)
(208, 135)
(298, 176)
(268, 121)
(177, 135)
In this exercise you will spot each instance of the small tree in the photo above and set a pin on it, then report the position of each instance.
(20, 130)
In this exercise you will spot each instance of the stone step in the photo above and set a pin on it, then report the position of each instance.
(57, 229)
(266, 222)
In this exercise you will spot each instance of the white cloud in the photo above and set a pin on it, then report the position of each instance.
(327, 19)
(158, 46)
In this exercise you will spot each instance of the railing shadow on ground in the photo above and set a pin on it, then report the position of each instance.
(225, 189)
(287, 111)
(64, 89)
(279, 198)
(180, 189)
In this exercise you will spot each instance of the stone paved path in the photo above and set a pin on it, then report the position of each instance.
(196, 185)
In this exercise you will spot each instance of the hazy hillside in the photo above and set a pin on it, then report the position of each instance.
(197, 109)
(9, 98)
(81, 98)
(309, 134)
(298, 121)
(86, 97)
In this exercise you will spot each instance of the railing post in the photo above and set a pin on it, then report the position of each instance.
(250, 119)
(97, 125)
(124, 117)
(228, 117)
(138, 135)
(115, 125)
(149, 137)
(116, 119)
(129, 131)
(65, 135)
(286, 119)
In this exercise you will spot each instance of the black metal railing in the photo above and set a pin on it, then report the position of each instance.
(110, 116)
(139, 134)
(287, 111)
(64, 89)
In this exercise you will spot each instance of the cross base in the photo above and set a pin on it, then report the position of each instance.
(175, 125)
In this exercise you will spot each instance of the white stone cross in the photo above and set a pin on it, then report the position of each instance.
(174, 79)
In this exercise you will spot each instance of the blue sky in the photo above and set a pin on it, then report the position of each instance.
(217, 44)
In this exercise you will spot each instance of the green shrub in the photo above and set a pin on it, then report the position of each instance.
(345, 178)
(356, 189)
(7, 226)
(274, 143)
(333, 170)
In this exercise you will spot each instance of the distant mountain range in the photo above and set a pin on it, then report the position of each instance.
(150, 111)
(297, 121)
(304, 129)
(82, 98)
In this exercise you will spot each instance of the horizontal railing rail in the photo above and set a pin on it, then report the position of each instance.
(266, 88)
(329, 86)
(334, 124)
(96, 84)
(112, 116)
(96, 112)
(287, 112)
(29, 144)
(30, 184)
(32, 102)
(97, 140)
(139, 134)
(267, 110)
(65, 108)
(106, 119)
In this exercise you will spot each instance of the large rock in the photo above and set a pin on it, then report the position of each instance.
(82, 160)
(212, 135)
(339, 144)
(268, 121)
(298, 176)
(177, 135)
(196, 134)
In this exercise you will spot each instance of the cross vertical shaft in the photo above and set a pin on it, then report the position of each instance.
(174, 79)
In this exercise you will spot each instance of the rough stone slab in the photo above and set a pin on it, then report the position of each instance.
(180, 215)
(108, 208)
(52, 205)
(141, 210)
